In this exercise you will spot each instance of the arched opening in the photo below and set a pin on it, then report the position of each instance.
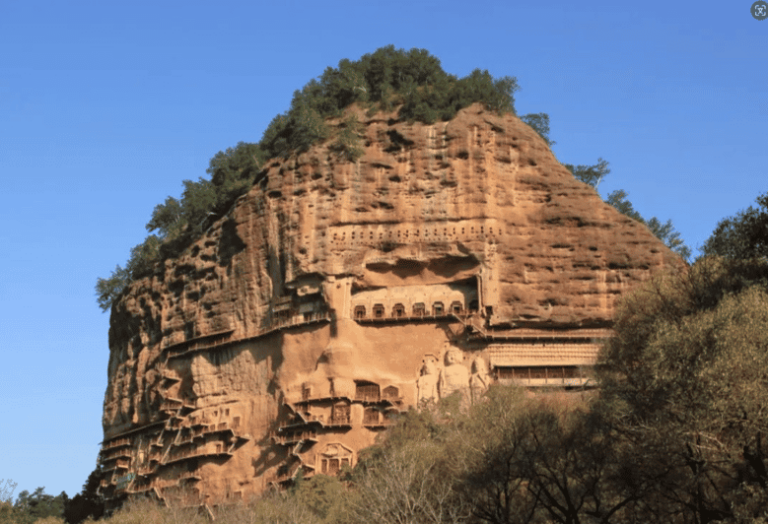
(438, 309)
(370, 416)
(330, 466)
(340, 414)
(367, 391)
(378, 311)
(473, 306)
(359, 312)
(457, 308)
(419, 309)
(398, 311)
(391, 393)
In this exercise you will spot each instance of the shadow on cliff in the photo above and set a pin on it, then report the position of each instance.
(407, 270)
(272, 456)
(230, 243)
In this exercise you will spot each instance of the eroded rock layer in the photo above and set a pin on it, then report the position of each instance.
(336, 294)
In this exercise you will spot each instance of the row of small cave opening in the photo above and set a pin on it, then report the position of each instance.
(364, 391)
(419, 309)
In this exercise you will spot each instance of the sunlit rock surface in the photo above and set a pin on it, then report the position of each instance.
(329, 298)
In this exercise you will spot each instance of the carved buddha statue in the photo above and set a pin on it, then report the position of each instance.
(454, 376)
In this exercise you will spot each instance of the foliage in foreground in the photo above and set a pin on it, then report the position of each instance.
(685, 380)
(675, 436)
(37, 507)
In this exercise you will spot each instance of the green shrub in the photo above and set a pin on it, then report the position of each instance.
(383, 80)
(347, 143)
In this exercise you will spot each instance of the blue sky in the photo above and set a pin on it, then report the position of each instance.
(105, 107)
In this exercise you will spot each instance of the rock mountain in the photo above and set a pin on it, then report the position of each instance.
(336, 294)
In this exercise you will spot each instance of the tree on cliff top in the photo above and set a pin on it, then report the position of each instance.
(389, 78)
(665, 232)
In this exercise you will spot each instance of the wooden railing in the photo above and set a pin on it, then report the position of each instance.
(194, 475)
(293, 437)
(276, 325)
(404, 317)
(378, 423)
(116, 453)
(196, 452)
(116, 443)
(171, 404)
(141, 488)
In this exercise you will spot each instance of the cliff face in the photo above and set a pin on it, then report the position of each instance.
(334, 294)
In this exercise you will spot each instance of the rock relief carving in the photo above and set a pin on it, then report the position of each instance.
(428, 381)
(334, 457)
(342, 387)
(480, 380)
(454, 377)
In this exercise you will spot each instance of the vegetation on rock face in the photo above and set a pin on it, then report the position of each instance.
(539, 122)
(675, 435)
(684, 380)
(413, 82)
(387, 79)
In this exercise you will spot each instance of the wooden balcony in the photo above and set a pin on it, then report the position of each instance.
(293, 437)
(412, 317)
(550, 382)
(297, 320)
(116, 444)
(185, 441)
(116, 453)
(195, 343)
(140, 489)
(179, 350)
(378, 424)
(171, 404)
(190, 475)
(309, 399)
(145, 471)
(203, 451)
(338, 423)
(545, 376)
(175, 423)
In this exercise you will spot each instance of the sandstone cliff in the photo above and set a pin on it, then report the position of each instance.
(335, 294)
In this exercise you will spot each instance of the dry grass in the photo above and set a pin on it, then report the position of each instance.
(271, 509)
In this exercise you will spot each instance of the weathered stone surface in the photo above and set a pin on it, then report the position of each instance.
(329, 295)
